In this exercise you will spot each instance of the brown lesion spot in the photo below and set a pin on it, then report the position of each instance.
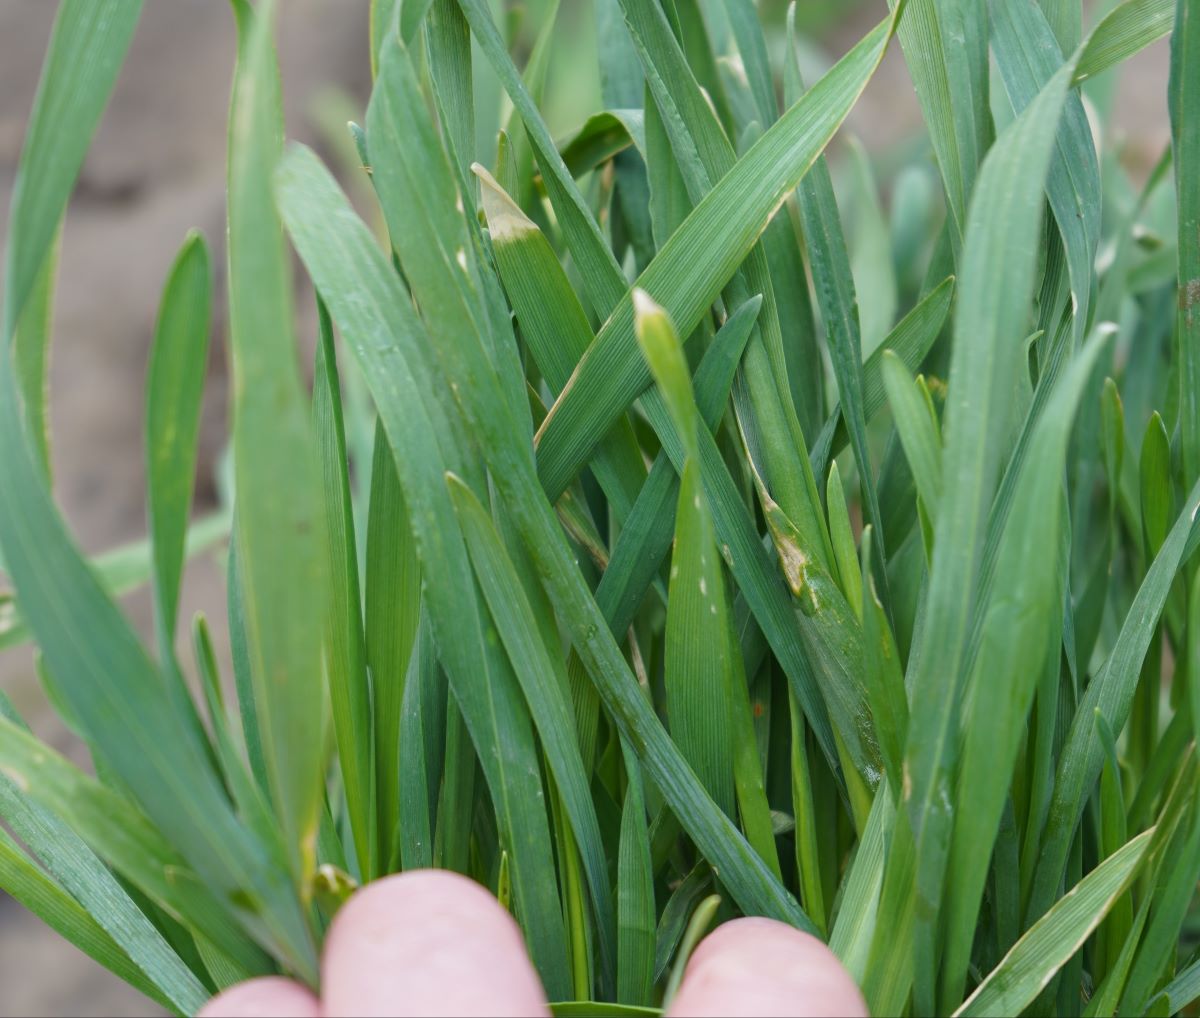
(1189, 298)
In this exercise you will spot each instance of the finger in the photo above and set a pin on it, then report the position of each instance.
(259, 998)
(427, 942)
(765, 968)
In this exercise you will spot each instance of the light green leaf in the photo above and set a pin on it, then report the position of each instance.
(280, 517)
(918, 430)
(996, 282)
(1111, 693)
(945, 46)
(373, 313)
(1184, 104)
(102, 672)
(345, 651)
(544, 683)
(173, 392)
(82, 900)
(698, 260)
(1034, 959)
(31, 887)
(335, 245)
(1017, 631)
(121, 835)
(1128, 28)
(393, 601)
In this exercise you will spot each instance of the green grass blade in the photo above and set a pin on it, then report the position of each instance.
(887, 976)
(911, 340)
(600, 1009)
(280, 516)
(245, 791)
(997, 282)
(1107, 996)
(822, 668)
(456, 801)
(1181, 991)
(247, 711)
(833, 281)
(917, 428)
(368, 303)
(883, 675)
(683, 901)
(767, 394)
(1184, 102)
(422, 748)
(996, 292)
(1028, 55)
(451, 367)
(1172, 897)
(699, 258)
(871, 251)
(1039, 954)
(174, 389)
(702, 154)
(121, 835)
(1017, 636)
(841, 535)
(31, 887)
(635, 899)
(120, 570)
(948, 65)
(448, 46)
(31, 354)
(334, 243)
(393, 599)
(756, 63)
(1129, 27)
(384, 18)
(82, 900)
(804, 812)
(555, 327)
(85, 54)
(647, 532)
(801, 496)
(173, 392)
(544, 683)
(534, 77)
(856, 919)
(103, 672)
(695, 931)
(1111, 693)
(603, 281)
(345, 650)
(698, 667)
(601, 138)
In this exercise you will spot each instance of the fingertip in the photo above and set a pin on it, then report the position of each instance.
(268, 997)
(427, 942)
(761, 967)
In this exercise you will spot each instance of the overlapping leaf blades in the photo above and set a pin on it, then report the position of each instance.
(915, 729)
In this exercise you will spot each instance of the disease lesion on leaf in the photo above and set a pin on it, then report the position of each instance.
(1189, 298)
(793, 559)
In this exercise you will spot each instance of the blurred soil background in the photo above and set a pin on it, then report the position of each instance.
(155, 170)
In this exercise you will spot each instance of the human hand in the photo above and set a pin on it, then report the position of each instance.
(434, 943)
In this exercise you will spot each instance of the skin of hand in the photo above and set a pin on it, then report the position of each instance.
(429, 942)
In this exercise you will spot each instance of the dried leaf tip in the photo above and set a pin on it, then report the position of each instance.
(504, 216)
(644, 304)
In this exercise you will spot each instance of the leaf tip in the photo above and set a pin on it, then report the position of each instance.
(504, 216)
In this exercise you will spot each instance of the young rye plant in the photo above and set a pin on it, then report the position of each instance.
(651, 548)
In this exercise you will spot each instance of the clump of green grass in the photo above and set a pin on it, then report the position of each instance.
(698, 556)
